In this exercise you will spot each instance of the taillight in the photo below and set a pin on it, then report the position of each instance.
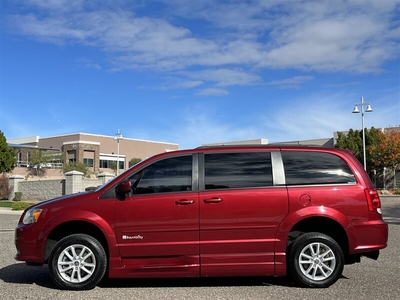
(374, 203)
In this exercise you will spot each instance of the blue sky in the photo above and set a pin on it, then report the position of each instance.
(196, 72)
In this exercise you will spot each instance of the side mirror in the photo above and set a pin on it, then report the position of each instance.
(123, 188)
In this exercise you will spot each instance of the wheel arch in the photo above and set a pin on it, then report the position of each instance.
(321, 224)
(73, 227)
(316, 219)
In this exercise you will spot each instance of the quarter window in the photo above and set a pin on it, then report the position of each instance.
(303, 168)
(168, 175)
(237, 170)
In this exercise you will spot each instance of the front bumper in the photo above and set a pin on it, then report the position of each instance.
(28, 244)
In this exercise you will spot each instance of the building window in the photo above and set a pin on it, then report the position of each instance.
(109, 164)
(88, 158)
(71, 156)
(88, 162)
(105, 164)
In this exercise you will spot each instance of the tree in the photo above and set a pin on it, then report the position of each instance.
(7, 155)
(382, 151)
(42, 159)
(134, 161)
(113, 166)
(386, 152)
(37, 161)
(354, 142)
(351, 141)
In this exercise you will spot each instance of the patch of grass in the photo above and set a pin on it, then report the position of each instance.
(5, 203)
(20, 205)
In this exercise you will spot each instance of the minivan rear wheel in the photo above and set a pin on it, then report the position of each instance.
(77, 262)
(315, 260)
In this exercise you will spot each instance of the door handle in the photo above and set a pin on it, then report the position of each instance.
(184, 202)
(212, 200)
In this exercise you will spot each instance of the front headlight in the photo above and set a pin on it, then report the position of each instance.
(32, 216)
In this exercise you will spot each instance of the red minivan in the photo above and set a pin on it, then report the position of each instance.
(212, 211)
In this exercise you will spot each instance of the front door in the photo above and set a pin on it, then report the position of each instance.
(157, 224)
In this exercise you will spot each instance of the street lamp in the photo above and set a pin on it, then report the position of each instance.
(117, 137)
(356, 111)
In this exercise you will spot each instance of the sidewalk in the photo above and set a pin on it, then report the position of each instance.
(8, 211)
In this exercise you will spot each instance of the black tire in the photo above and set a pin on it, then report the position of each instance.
(77, 262)
(315, 260)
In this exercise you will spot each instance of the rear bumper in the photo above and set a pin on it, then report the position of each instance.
(370, 236)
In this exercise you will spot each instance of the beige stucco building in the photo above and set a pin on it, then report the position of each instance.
(95, 151)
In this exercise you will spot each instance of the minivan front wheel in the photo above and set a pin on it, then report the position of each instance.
(77, 262)
(315, 260)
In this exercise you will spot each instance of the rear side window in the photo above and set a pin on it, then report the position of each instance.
(315, 168)
(237, 170)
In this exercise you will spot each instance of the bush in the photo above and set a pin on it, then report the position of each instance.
(4, 189)
(18, 196)
(90, 188)
(77, 166)
(20, 205)
(396, 192)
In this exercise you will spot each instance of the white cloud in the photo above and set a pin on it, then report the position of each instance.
(212, 92)
(326, 36)
(225, 77)
(293, 82)
(340, 43)
(57, 5)
(188, 84)
(177, 82)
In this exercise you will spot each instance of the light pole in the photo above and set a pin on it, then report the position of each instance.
(117, 137)
(356, 111)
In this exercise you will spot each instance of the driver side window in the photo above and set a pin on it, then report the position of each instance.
(165, 176)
